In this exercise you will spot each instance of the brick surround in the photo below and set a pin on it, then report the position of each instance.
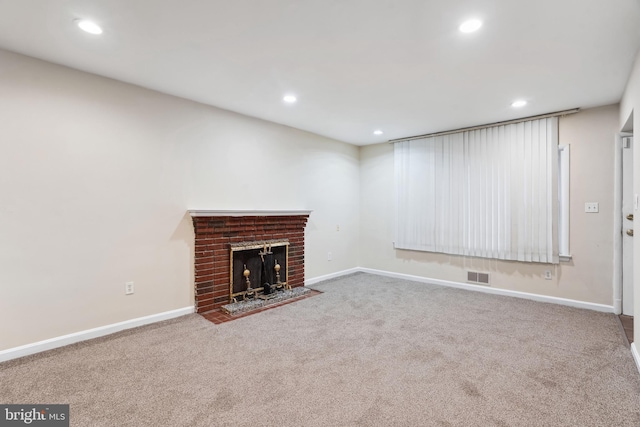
(213, 234)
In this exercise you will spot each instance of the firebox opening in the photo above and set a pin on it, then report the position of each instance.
(258, 269)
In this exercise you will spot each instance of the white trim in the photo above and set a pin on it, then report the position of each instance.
(495, 291)
(636, 356)
(37, 347)
(617, 226)
(313, 281)
(564, 155)
(205, 212)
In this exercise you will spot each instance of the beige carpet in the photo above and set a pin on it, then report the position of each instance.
(370, 351)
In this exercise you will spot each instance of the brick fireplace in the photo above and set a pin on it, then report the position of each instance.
(215, 231)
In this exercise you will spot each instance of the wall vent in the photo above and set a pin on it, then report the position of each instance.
(477, 277)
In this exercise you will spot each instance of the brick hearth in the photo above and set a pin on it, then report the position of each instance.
(215, 232)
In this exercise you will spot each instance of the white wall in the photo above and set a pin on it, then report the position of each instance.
(629, 103)
(588, 277)
(96, 177)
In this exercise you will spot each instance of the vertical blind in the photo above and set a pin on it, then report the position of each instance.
(488, 192)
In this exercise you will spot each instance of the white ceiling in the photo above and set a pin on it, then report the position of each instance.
(355, 65)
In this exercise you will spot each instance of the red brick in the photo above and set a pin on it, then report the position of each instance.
(203, 253)
(205, 299)
(204, 269)
(222, 268)
(204, 308)
(221, 293)
(201, 265)
(204, 285)
(221, 300)
(221, 277)
(221, 252)
(206, 240)
(201, 280)
(212, 257)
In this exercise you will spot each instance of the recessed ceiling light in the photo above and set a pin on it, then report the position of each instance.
(470, 26)
(377, 132)
(519, 103)
(88, 26)
(290, 99)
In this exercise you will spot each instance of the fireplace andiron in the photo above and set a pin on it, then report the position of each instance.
(279, 285)
(249, 293)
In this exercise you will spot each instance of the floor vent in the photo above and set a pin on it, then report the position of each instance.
(479, 278)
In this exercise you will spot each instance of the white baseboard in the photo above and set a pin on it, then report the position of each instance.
(636, 356)
(37, 347)
(313, 281)
(495, 291)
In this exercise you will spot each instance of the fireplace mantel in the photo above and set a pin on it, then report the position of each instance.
(211, 213)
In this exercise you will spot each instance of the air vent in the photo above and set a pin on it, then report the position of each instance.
(479, 278)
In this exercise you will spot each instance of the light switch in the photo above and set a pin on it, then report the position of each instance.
(591, 207)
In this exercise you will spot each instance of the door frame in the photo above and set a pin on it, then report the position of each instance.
(617, 223)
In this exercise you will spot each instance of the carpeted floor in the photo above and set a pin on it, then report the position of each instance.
(369, 351)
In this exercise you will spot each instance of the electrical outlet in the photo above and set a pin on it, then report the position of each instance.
(591, 207)
(547, 275)
(338, 227)
(329, 256)
(128, 288)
